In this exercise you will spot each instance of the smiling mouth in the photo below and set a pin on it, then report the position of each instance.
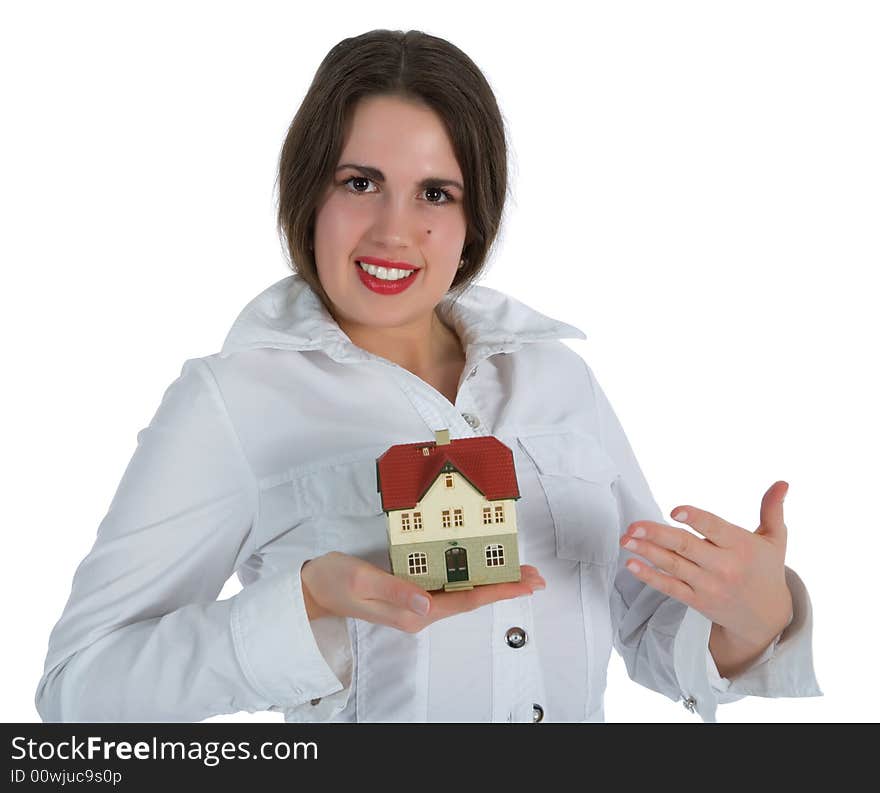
(387, 286)
(391, 274)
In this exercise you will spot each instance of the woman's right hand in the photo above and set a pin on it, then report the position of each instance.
(337, 584)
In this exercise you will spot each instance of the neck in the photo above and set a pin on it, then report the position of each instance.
(421, 346)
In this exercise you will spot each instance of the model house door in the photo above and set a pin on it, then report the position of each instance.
(456, 564)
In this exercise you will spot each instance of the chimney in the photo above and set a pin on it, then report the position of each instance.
(441, 437)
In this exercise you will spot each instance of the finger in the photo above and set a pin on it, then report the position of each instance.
(671, 562)
(391, 614)
(448, 603)
(443, 604)
(667, 584)
(772, 525)
(530, 575)
(698, 550)
(391, 600)
(717, 529)
(371, 585)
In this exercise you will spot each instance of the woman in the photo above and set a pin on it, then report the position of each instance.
(261, 461)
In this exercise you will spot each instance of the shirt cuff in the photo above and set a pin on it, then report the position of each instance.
(722, 684)
(280, 654)
(334, 641)
(785, 669)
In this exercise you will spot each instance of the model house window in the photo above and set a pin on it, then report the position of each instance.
(449, 481)
(499, 513)
(494, 555)
(458, 518)
(487, 515)
(445, 515)
(418, 563)
(417, 521)
(405, 525)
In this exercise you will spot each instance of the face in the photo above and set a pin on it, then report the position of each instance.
(408, 213)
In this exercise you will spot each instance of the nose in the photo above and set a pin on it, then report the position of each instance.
(395, 223)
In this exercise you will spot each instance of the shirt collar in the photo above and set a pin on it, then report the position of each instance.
(288, 315)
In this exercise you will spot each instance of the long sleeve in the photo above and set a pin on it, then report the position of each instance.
(664, 642)
(142, 636)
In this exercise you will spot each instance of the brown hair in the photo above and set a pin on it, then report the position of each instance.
(414, 66)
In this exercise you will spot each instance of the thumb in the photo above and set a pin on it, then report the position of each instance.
(409, 596)
(419, 601)
(772, 521)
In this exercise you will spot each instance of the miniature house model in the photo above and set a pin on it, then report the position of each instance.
(451, 511)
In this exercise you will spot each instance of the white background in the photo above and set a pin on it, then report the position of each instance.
(695, 186)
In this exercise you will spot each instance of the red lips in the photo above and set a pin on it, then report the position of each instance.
(386, 287)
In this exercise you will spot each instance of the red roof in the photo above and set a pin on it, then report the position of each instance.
(404, 472)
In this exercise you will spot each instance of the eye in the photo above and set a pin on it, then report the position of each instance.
(448, 196)
(357, 179)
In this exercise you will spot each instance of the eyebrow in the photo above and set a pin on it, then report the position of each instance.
(375, 173)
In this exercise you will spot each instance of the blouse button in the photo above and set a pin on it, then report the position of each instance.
(516, 637)
(689, 703)
(537, 713)
(472, 373)
(471, 419)
(315, 701)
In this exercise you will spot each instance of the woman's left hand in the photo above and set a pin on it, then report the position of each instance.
(734, 576)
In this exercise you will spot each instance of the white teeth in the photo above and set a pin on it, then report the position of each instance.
(385, 273)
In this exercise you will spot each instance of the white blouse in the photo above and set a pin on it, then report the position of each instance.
(263, 456)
